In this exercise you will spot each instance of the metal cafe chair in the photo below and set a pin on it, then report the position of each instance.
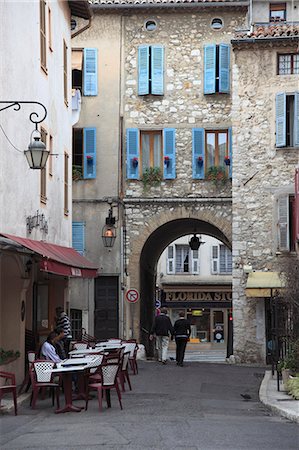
(123, 373)
(9, 388)
(80, 345)
(109, 381)
(41, 377)
(31, 356)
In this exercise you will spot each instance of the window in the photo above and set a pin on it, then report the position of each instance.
(43, 38)
(43, 172)
(50, 28)
(151, 149)
(85, 71)
(76, 323)
(150, 70)
(77, 69)
(65, 84)
(287, 120)
(288, 64)
(211, 148)
(66, 183)
(78, 237)
(286, 223)
(221, 260)
(216, 69)
(150, 25)
(217, 24)
(84, 153)
(50, 159)
(186, 260)
(278, 12)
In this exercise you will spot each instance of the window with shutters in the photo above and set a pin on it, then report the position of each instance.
(287, 119)
(182, 260)
(221, 260)
(216, 148)
(286, 223)
(66, 183)
(150, 70)
(84, 153)
(85, 71)
(43, 172)
(77, 69)
(50, 159)
(43, 36)
(78, 237)
(50, 29)
(288, 64)
(150, 149)
(277, 12)
(216, 69)
(65, 69)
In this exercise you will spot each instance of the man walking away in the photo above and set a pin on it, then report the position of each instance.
(63, 321)
(182, 331)
(162, 328)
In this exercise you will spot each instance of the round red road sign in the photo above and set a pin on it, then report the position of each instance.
(132, 295)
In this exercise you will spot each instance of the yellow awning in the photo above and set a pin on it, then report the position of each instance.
(263, 284)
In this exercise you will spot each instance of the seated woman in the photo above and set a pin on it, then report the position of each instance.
(48, 349)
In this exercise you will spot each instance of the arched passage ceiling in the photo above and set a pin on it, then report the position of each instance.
(170, 231)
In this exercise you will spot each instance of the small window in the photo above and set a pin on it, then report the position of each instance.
(216, 148)
(76, 323)
(43, 37)
(286, 223)
(84, 153)
(287, 120)
(217, 23)
(150, 25)
(77, 69)
(216, 69)
(66, 183)
(278, 12)
(150, 70)
(151, 149)
(50, 28)
(288, 64)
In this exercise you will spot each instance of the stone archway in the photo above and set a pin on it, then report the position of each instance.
(147, 240)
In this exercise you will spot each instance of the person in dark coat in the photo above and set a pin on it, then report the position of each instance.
(162, 329)
(182, 331)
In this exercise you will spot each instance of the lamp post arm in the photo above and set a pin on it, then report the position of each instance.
(34, 117)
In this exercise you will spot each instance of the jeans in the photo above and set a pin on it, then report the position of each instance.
(162, 347)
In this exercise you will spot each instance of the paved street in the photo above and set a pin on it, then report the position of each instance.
(195, 407)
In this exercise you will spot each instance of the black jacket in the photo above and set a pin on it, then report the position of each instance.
(162, 326)
(182, 328)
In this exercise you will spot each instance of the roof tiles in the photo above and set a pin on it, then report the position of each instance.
(159, 2)
(267, 31)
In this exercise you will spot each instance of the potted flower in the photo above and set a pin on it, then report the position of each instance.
(135, 162)
(152, 176)
(89, 157)
(227, 160)
(77, 173)
(166, 161)
(217, 174)
(200, 161)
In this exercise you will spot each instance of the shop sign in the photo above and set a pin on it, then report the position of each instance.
(198, 296)
(196, 312)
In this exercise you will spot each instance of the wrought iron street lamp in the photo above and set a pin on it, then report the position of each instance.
(37, 153)
(109, 230)
(195, 242)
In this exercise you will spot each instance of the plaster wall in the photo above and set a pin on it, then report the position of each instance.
(27, 81)
(261, 11)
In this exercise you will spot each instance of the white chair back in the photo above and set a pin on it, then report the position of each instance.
(43, 371)
(114, 341)
(109, 373)
(80, 345)
(125, 360)
(96, 362)
(130, 347)
(31, 357)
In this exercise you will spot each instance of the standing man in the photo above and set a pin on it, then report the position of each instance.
(63, 321)
(182, 331)
(162, 328)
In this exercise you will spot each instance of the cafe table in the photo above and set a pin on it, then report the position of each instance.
(85, 351)
(67, 368)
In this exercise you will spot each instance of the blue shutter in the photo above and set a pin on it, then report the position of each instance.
(90, 71)
(210, 69)
(198, 153)
(89, 140)
(169, 152)
(133, 157)
(143, 70)
(281, 119)
(224, 68)
(230, 151)
(296, 121)
(157, 69)
(78, 237)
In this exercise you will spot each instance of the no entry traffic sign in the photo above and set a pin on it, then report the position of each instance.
(132, 295)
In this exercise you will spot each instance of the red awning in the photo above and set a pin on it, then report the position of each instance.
(57, 259)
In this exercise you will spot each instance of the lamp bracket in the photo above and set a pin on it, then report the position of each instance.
(34, 117)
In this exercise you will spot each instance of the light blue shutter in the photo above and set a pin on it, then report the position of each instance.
(169, 151)
(90, 71)
(198, 154)
(143, 70)
(133, 157)
(89, 152)
(283, 223)
(170, 259)
(78, 237)
(224, 68)
(214, 259)
(296, 121)
(281, 119)
(157, 69)
(210, 69)
(230, 151)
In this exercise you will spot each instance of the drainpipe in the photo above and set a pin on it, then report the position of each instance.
(250, 18)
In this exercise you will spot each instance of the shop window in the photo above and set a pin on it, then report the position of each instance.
(84, 153)
(216, 69)
(287, 120)
(286, 223)
(76, 323)
(150, 70)
(149, 149)
(288, 64)
(278, 12)
(221, 260)
(181, 259)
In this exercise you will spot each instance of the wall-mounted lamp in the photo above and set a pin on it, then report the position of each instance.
(36, 154)
(28, 266)
(109, 230)
(195, 242)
